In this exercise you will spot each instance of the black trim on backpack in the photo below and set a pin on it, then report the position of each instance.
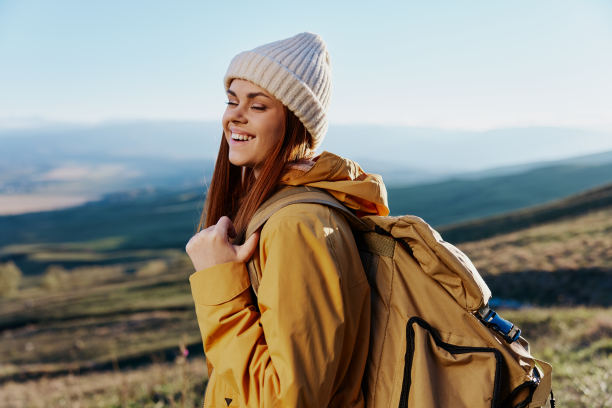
(451, 348)
(454, 349)
(532, 385)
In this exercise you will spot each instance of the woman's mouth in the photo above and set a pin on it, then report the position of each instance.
(241, 137)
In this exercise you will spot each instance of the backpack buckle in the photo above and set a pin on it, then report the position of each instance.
(491, 319)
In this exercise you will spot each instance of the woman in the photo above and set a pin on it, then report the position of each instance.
(303, 340)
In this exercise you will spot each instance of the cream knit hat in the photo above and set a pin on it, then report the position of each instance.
(296, 71)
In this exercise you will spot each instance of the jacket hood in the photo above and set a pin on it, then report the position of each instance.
(344, 179)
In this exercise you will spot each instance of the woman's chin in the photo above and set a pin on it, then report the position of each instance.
(239, 161)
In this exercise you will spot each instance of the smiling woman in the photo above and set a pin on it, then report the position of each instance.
(301, 339)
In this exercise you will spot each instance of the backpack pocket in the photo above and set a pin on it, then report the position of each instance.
(439, 374)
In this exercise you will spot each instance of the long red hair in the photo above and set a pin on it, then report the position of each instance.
(235, 192)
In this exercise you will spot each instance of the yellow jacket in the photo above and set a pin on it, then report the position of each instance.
(307, 345)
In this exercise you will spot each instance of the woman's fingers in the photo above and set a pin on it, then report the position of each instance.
(212, 246)
(226, 227)
(245, 251)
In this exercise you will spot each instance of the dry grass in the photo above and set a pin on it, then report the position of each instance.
(94, 341)
(162, 384)
(578, 243)
(578, 343)
(108, 315)
(91, 318)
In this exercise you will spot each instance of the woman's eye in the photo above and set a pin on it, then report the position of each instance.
(256, 107)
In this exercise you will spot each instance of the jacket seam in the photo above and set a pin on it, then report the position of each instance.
(332, 246)
(330, 213)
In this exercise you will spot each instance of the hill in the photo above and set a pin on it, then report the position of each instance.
(456, 200)
(121, 227)
(566, 261)
(597, 198)
(166, 217)
(111, 156)
(560, 252)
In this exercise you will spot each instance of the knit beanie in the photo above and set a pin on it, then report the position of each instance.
(297, 72)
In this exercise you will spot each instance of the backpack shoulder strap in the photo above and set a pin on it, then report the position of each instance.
(294, 195)
(281, 199)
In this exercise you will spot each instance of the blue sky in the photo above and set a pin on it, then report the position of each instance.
(447, 64)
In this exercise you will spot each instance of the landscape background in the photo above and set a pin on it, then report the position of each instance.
(103, 316)
(492, 121)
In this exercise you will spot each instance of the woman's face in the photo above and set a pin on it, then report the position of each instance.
(253, 124)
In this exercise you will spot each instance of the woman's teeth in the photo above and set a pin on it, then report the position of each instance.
(237, 136)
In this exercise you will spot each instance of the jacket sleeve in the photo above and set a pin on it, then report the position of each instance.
(287, 353)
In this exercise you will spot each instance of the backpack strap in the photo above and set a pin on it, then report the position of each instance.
(283, 198)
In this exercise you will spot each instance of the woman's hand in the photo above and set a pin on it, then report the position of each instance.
(212, 246)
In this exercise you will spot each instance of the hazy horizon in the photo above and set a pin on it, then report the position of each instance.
(192, 139)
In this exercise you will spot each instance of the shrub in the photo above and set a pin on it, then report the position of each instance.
(152, 268)
(55, 277)
(10, 278)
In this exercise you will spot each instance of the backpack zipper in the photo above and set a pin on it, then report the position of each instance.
(451, 348)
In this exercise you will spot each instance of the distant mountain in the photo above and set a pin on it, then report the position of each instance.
(94, 160)
(403, 155)
(583, 160)
(151, 139)
(458, 199)
(459, 151)
(97, 177)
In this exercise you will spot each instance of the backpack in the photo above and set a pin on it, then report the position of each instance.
(434, 341)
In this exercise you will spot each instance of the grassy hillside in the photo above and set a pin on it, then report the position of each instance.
(600, 197)
(89, 321)
(124, 227)
(106, 317)
(568, 261)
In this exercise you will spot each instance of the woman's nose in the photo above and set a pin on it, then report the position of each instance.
(238, 114)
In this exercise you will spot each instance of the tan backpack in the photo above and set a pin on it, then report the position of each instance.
(434, 342)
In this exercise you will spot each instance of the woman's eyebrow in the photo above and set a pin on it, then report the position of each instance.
(249, 96)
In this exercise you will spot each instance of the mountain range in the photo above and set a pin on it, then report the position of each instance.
(118, 151)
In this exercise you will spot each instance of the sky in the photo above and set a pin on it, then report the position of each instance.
(470, 65)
